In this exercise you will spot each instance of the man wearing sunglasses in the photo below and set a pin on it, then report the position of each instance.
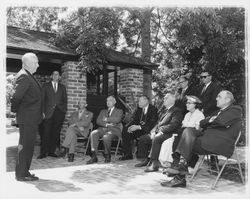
(208, 93)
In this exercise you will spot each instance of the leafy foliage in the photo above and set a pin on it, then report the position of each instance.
(34, 18)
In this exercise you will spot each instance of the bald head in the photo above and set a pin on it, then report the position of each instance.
(30, 62)
(224, 99)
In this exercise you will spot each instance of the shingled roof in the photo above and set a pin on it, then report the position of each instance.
(30, 40)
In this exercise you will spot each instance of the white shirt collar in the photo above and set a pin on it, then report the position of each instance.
(145, 109)
(208, 84)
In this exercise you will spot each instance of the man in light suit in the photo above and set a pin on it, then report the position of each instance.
(54, 109)
(220, 131)
(79, 124)
(169, 124)
(110, 124)
(26, 102)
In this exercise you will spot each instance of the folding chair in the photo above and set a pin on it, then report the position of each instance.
(234, 157)
(84, 140)
(119, 141)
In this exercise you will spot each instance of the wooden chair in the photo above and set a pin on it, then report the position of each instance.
(234, 157)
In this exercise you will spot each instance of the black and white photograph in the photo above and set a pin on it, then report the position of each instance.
(118, 99)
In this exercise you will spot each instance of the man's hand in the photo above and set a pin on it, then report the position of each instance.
(134, 128)
(43, 115)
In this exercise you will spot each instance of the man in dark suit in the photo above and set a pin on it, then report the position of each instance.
(168, 124)
(143, 121)
(220, 131)
(208, 93)
(182, 92)
(26, 102)
(110, 128)
(54, 110)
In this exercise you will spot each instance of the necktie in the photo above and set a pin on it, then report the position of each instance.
(109, 110)
(55, 89)
(203, 90)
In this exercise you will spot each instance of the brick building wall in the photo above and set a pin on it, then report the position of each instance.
(131, 81)
(76, 86)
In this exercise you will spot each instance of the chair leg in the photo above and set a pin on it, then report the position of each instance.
(200, 163)
(87, 145)
(218, 176)
(240, 170)
(117, 147)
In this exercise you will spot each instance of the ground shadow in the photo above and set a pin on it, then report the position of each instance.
(54, 186)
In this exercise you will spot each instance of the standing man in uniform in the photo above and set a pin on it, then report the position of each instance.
(54, 109)
(26, 102)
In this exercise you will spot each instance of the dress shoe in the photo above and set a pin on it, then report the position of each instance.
(126, 157)
(143, 163)
(107, 158)
(41, 156)
(151, 168)
(71, 157)
(53, 155)
(93, 158)
(64, 152)
(175, 182)
(27, 178)
(178, 169)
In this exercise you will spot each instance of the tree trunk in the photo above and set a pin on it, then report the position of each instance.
(146, 50)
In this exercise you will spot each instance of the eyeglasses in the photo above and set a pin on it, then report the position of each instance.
(190, 103)
(203, 77)
(182, 82)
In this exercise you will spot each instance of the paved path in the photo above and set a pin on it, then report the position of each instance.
(60, 179)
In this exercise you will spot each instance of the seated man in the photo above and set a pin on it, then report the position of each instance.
(79, 123)
(143, 121)
(219, 134)
(110, 124)
(169, 123)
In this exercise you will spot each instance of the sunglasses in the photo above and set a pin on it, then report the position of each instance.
(190, 103)
(203, 77)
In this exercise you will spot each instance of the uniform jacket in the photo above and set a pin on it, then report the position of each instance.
(26, 101)
(52, 99)
(219, 136)
(151, 118)
(208, 98)
(83, 122)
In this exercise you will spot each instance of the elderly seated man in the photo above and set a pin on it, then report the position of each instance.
(110, 127)
(79, 124)
(220, 131)
(168, 124)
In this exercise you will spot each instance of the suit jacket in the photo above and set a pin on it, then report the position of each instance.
(26, 101)
(208, 98)
(170, 121)
(83, 122)
(52, 99)
(151, 118)
(181, 102)
(219, 136)
(114, 120)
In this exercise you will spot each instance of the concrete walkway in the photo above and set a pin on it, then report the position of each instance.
(120, 179)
